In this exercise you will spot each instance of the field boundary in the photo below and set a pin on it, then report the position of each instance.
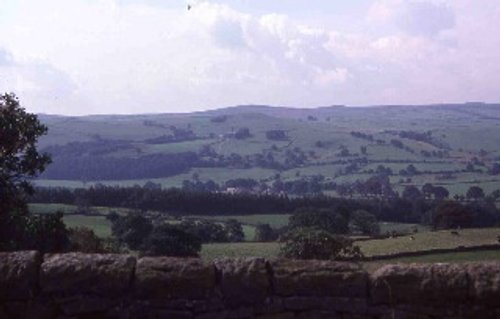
(431, 252)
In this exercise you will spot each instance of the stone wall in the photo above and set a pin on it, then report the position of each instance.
(77, 285)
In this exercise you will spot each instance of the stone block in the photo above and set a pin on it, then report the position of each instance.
(19, 275)
(81, 274)
(318, 278)
(432, 284)
(173, 278)
(484, 283)
(243, 281)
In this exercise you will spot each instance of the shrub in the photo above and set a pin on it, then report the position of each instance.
(84, 239)
(171, 240)
(264, 232)
(307, 243)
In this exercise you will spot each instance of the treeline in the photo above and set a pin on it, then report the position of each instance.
(175, 201)
(118, 168)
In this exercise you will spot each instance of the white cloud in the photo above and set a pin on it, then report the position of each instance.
(105, 56)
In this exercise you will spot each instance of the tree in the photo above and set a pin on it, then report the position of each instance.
(411, 193)
(242, 133)
(234, 230)
(264, 232)
(19, 162)
(428, 190)
(324, 219)
(440, 192)
(19, 157)
(450, 214)
(475, 193)
(365, 223)
(84, 239)
(171, 240)
(307, 243)
(131, 229)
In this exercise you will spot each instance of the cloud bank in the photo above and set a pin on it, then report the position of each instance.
(110, 56)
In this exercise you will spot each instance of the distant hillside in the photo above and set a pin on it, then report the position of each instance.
(450, 144)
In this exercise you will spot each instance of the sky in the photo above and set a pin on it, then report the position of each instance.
(156, 56)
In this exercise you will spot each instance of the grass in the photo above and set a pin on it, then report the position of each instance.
(38, 208)
(386, 227)
(98, 224)
(51, 208)
(234, 250)
(458, 257)
(274, 220)
(430, 240)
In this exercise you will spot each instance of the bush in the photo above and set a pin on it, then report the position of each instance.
(365, 223)
(131, 229)
(307, 243)
(46, 233)
(324, 219)
(84, 239)
(264, 233)
(171, 240)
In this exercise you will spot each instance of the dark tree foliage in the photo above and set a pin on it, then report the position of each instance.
(475, 193)
(83, 239)
(364, 223)
(412, 193)
(307, 243)
(325, 219)
(242, 133)
(265, 233)
(45, 232)
(19, 157)
(175, 201)
(131, 229)
(450, 214)
(19, 162)
(234, 230)
(276, 135)
(115, 168)
(207, 231)
(171, 240)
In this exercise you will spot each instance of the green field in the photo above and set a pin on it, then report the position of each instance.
(423, 241)
(233, 250)
(465, 132)
(430, 240)
(98, 224)
(458, 257)
(274, 220)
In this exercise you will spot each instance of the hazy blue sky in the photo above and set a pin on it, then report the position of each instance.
(137, 56)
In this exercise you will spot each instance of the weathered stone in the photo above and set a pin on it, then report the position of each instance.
(174, 278)
(434, 284)
(243, 281)
(84, 304)
(270, 306)
(316, 314)
(39, 309)
(284, 315)
(18, 274)
(212, 315)
(485, 283)
(240, 313)
(302, 303)
(80, 274)
(318, 278)
(350, 305)
(171, 314)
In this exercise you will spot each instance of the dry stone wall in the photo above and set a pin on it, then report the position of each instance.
(76, 285)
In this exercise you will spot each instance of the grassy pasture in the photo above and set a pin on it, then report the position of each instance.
(274, 220)
(430, 240)
(234, 250)
(99, 224)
